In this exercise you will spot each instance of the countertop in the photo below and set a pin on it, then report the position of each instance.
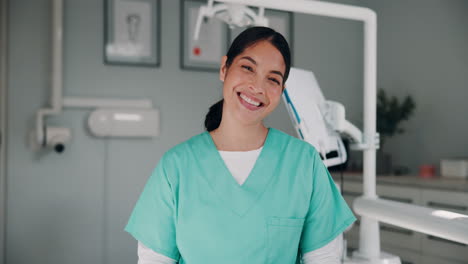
(437, 183)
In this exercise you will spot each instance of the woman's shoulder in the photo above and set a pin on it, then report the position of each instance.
(186, 147)
(293, 143)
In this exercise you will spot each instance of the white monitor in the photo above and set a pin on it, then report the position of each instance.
(306, 106)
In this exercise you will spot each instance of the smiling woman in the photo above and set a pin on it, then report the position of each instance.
(241, 192)
(257, 53)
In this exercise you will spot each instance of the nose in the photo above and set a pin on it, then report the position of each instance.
(255, 85)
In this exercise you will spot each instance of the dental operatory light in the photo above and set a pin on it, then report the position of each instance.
(235, 15)
(316, 120)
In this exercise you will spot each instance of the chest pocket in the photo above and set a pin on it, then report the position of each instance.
(283, 239)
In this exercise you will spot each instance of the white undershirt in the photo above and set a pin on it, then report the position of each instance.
(240, 164)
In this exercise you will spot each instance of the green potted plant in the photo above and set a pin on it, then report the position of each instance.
(390, 113)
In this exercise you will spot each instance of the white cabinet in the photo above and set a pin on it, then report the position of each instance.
(413, 247)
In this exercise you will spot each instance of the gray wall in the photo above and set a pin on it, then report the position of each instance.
(72, 208)
(422, 51)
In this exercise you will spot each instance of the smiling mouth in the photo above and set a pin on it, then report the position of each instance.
(249, 103)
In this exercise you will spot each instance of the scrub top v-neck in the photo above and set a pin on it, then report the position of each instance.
(194, 211)
(238, 198)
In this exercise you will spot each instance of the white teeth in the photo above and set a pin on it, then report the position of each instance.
(248, 100)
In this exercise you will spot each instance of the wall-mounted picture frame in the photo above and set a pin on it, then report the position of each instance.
(206, 53)
(281, 21)
(132, 32)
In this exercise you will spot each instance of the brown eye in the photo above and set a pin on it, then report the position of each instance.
(247, 68)
(274, 80)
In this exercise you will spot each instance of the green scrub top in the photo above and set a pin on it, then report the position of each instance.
(193, 210)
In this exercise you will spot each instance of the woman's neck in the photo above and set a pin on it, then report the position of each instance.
(233, 137)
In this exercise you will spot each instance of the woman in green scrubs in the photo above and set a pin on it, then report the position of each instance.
(193, 210)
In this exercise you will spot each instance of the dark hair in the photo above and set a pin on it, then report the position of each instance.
(246, 39)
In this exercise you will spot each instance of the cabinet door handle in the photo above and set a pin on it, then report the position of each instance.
(445, 241)
(397, 199)
(396, 230)
(406, 262)
(447, 206)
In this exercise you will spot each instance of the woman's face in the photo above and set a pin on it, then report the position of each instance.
(253, 83)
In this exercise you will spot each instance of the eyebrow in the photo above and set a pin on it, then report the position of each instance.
(255, 63)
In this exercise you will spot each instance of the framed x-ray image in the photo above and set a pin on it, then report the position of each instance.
(132, 32)
(280, 21)
(204, 54)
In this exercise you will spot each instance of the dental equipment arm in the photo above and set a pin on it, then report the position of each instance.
(44, 136)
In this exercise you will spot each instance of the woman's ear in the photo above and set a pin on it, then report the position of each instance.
(223, 68)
